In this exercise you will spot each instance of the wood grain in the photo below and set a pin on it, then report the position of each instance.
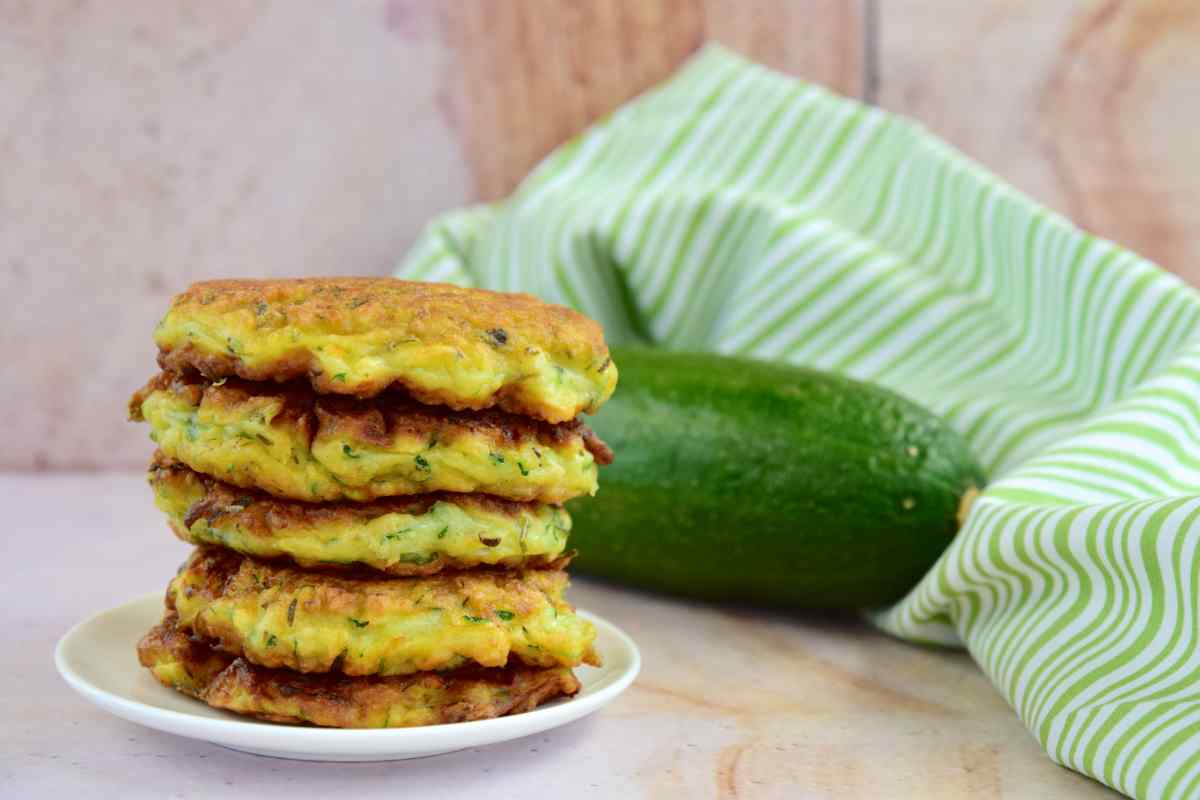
(147, 145)
(1091, 107)
(528, 74)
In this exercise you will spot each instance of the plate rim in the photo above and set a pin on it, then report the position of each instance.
(245, 732)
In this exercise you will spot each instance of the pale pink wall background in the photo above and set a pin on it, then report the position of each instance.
(147, 144)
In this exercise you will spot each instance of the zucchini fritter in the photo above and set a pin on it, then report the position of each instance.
(293, 443)
(310, 621)
(193, 667)
(463, 348)
(417, 535)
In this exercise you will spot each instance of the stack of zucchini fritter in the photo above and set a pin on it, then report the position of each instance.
(372, 471)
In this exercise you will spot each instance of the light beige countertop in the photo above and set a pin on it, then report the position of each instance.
(730, 703)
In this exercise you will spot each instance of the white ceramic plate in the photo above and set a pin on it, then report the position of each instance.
(97, 658)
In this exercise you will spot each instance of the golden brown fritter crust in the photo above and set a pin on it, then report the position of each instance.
(375, 420)
(360, 624)
(271, 513)
(463, 348)
(402, 536)
(193, 667)
(289, 441)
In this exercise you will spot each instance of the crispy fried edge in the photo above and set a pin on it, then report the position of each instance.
(218, 568)
(370, 303)
(374, 421)
(333, 700)
(263, 515)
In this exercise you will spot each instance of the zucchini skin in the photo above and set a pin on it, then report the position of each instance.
(766, 483)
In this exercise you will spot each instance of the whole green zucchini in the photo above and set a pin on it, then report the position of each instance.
(752, 481)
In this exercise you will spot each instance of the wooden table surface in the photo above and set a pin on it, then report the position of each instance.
(730, 703)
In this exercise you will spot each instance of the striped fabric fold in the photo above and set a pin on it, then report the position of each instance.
(740, 211)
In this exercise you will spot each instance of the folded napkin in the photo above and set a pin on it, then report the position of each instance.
(740, 211)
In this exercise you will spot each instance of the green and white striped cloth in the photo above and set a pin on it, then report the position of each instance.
(736, 210)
